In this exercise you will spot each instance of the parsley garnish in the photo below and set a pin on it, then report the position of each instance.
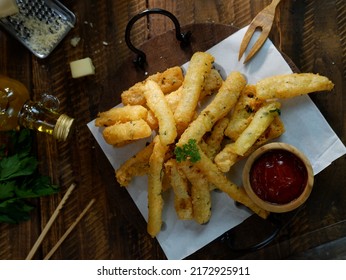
(187, 151)
(19, 178)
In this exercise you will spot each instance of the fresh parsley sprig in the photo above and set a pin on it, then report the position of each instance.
(20, 180)
(187, 151)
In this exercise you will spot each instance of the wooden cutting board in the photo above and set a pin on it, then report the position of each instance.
(162, 52)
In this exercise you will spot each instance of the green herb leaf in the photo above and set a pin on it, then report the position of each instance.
(14, 211)
(16, 165)
(36, 187)
(19, 178)
(278, 111)
(188, 151)
(7, 190)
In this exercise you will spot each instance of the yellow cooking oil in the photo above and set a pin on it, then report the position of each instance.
(17, 110)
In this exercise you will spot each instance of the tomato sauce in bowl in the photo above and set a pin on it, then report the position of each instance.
(278, 177)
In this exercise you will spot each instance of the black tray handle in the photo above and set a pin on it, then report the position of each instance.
(278, 222)
(184, 38)
(229, 238)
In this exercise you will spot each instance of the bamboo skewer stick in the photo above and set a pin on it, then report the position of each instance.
(50, 222)
(68, 231)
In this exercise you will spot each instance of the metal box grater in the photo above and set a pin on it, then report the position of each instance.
(40, 25)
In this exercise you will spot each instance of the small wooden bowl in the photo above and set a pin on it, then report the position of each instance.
(272, 206)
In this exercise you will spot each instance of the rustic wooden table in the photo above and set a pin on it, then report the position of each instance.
(311, 33)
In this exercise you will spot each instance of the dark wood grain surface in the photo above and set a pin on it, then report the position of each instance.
(311, 33)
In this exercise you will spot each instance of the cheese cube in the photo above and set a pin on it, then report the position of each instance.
(8, 8)
(82, 67)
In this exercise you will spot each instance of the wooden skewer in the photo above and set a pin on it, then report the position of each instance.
(68, 231)
(50, 222)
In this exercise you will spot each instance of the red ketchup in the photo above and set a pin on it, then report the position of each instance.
(278, 176)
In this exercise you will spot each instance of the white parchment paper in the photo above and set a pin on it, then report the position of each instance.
(306, 129)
